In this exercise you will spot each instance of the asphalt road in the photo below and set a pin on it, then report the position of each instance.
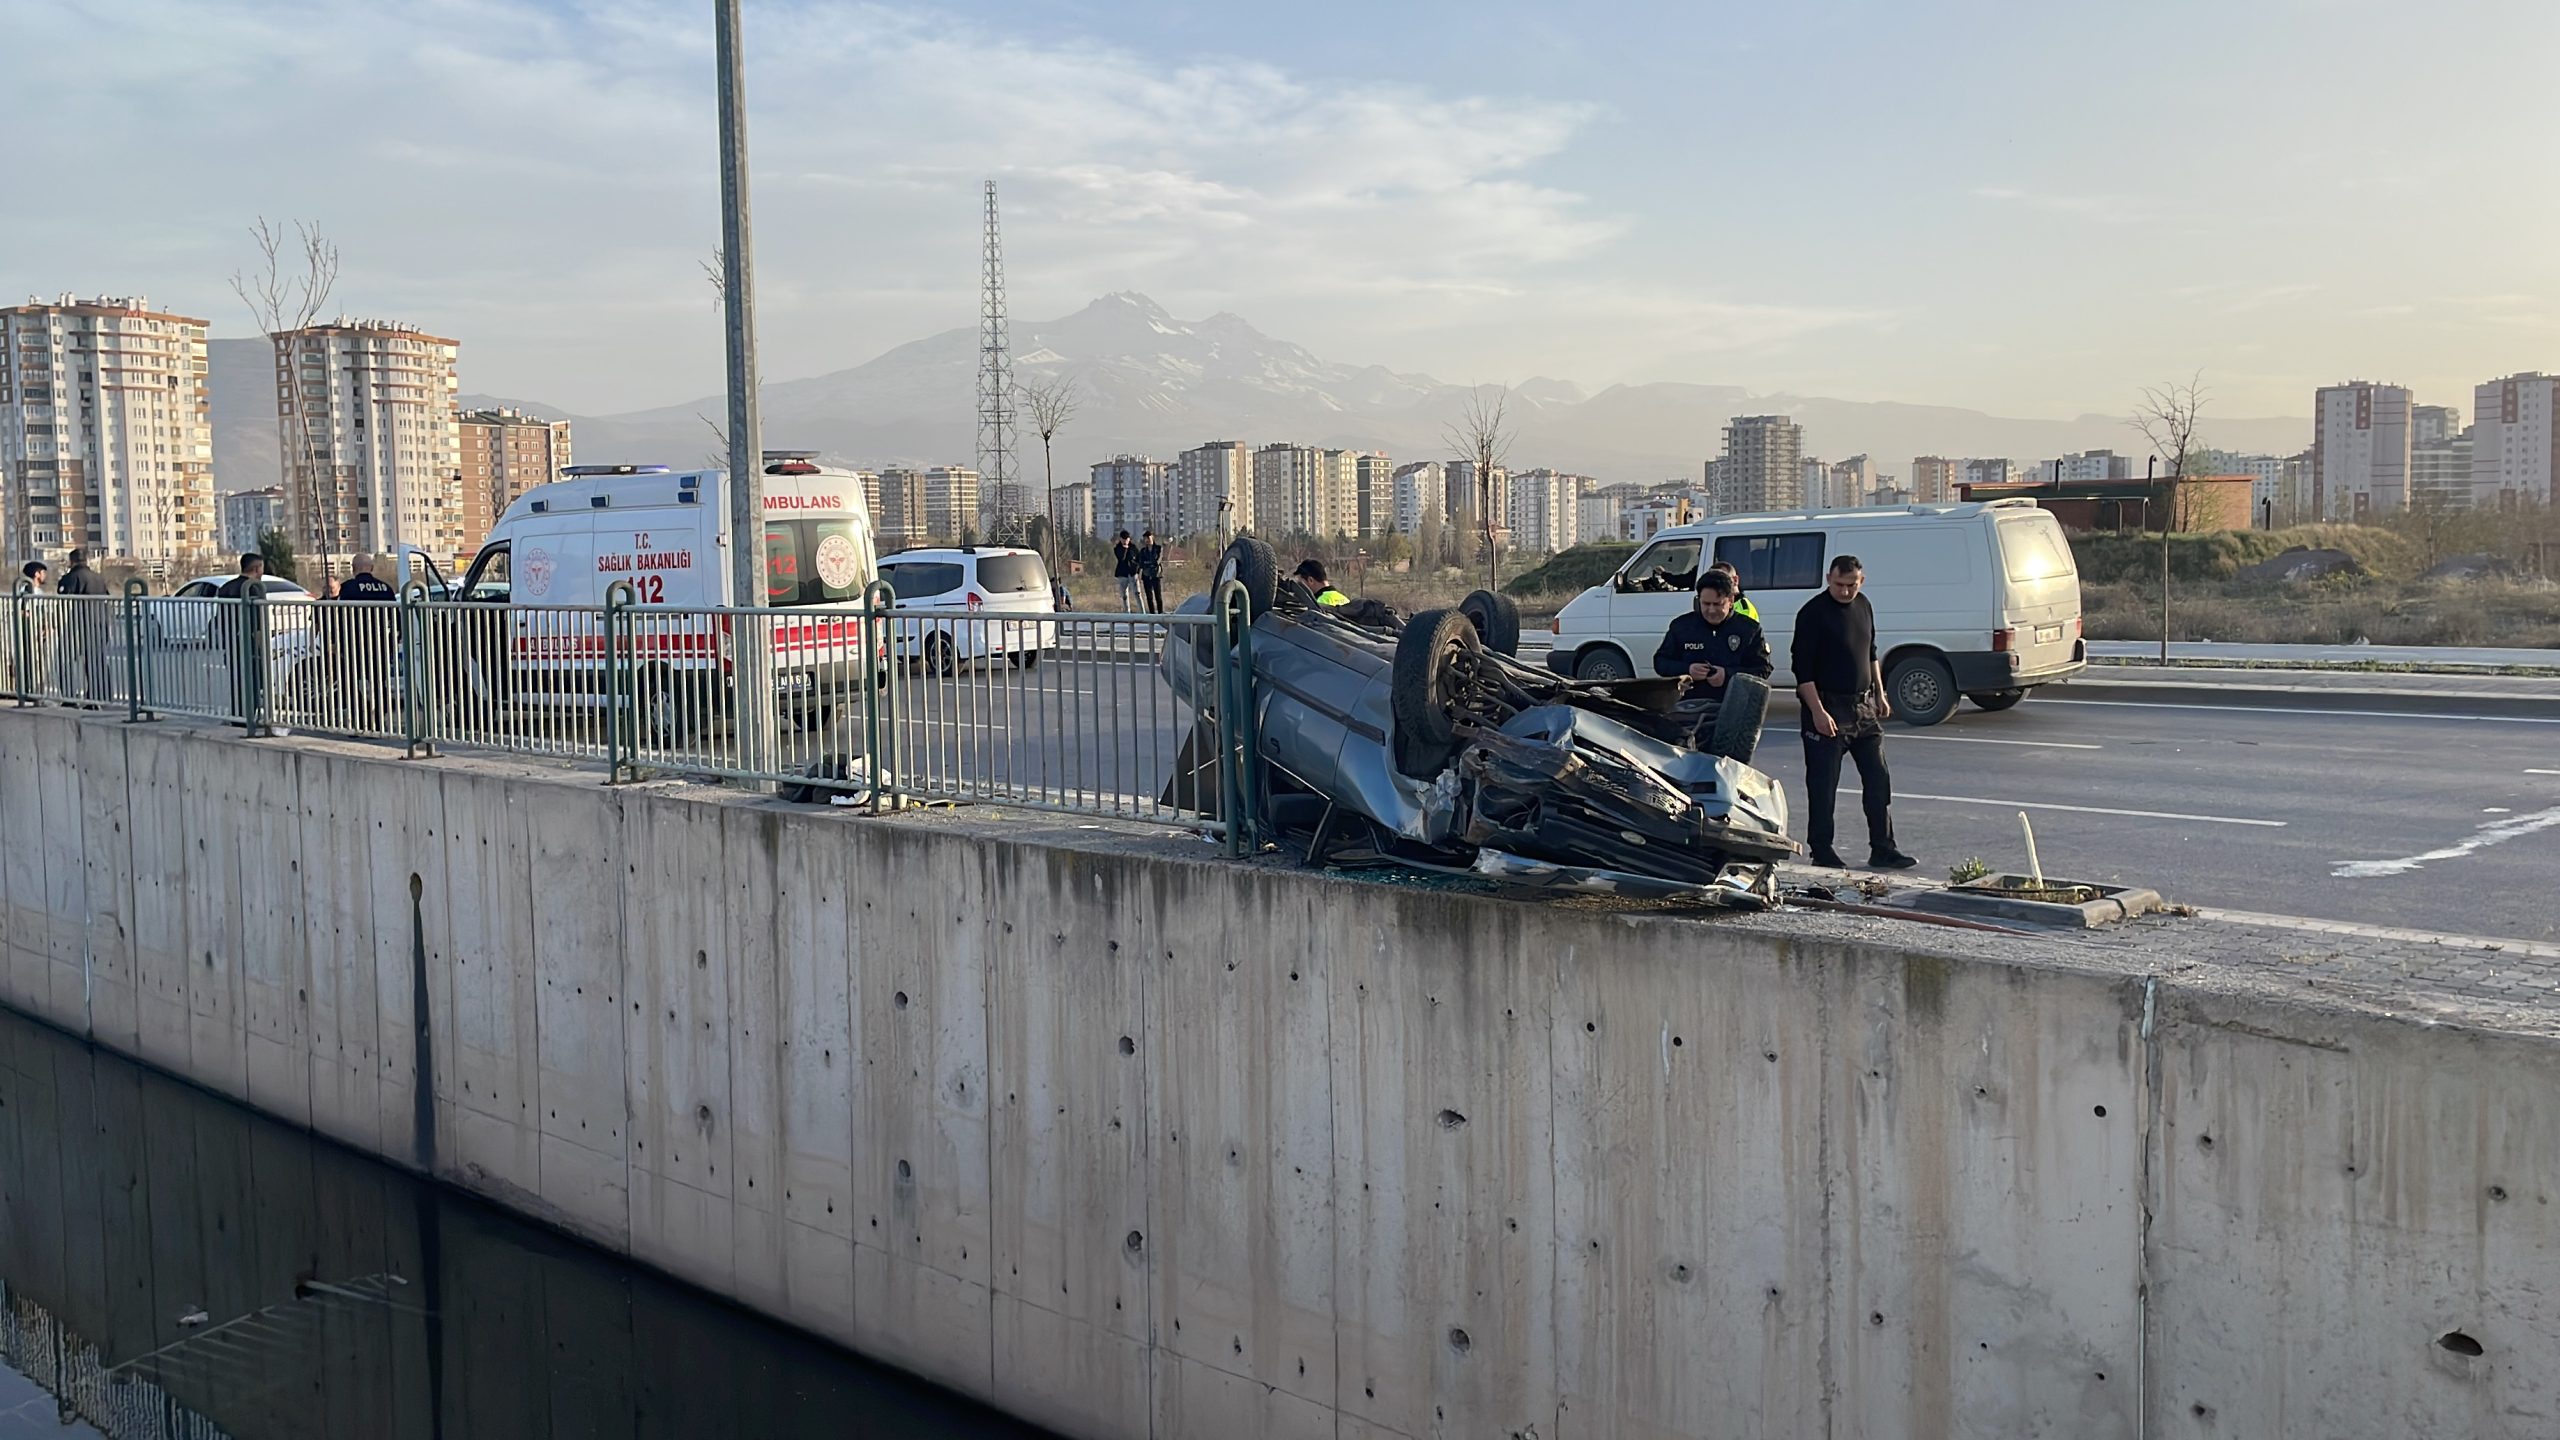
(2430, 823)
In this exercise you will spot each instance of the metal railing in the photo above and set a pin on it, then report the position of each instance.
(870, 704)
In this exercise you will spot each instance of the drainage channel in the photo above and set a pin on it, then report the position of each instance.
(174, 1267)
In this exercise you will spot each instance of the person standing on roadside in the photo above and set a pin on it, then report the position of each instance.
(80, 649)
(36, 658)
(365, 639)
(34, 576)
(1840, 688)
(1151, 571)
(1124, 568)
(248, 681)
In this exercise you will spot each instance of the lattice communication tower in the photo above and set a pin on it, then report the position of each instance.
(996, 475)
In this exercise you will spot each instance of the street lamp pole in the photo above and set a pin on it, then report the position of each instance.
(754, 659)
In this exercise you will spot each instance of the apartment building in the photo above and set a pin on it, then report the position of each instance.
(901, 518)
(1132, 493)
(1596, 516)
(1462, 500)
(2092, 465)
(1934, 479)
(1071, 508)
(2360, 450)
(1417, 487)
(1374, 504)
(1213, 489)
(504, 453)
(1993, 471)
(105, 437)
(2515, 442)
(372, 447)
(951, 508)
(1546, 510)
(1762, 465)
(1852, 483)
(246, 515)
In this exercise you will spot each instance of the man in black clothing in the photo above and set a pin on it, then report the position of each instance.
(1124, 568)
(1151, 571)
(364, 641)
(80, 649)
(1840, 688)
(240, 629)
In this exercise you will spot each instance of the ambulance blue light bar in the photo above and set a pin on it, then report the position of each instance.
(614, 470)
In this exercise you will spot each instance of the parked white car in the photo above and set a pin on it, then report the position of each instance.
(193, 624)
(996, 583)
(1979, 600)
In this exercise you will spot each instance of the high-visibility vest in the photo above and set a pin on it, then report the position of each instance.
(1330, 596)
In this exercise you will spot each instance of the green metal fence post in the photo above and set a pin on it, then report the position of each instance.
(879, 727)
(414, 670)
(135, 669)
(1245, 741)
(621, 690)
(22, 647)
(1220, 721)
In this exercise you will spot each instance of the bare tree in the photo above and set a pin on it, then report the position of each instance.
(1050, 404)
(1481, 435)
(716, 270)
(285, 292)
(2167, 419)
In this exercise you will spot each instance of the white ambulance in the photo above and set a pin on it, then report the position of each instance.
(553, 558)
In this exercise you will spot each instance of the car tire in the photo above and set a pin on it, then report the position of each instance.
(1254, 565)
(940, 655)
(1496, 619)
(1736, 735)
(1922, 689)
(670, 709)
(1995, 699)
(1423, 690)
(1603, 662)
(1025, 659)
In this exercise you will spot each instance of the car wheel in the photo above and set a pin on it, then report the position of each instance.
(941, 657)
(1603, 662)
(1026, 659)
(1496, 619)
(1254, 565)
(1737, 727)
(1922, 688)
(1427, 687)
(1995, 699)
(670, 711)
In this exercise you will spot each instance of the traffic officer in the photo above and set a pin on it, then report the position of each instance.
(1742, 605)
(1714, 640)
(1311, 574)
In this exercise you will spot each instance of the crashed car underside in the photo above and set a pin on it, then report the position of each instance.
(1422, 744)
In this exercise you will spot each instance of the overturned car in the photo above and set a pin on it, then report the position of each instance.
(1426, 743)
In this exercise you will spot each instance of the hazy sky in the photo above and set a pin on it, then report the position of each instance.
(2031, 207)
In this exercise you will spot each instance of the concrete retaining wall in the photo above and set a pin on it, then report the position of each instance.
(1131, 1142)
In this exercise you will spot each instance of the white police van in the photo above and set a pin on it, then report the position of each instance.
(1979, 599)
(553, 559)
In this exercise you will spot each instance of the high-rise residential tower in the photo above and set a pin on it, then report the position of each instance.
(372, 447)
(2359, 450)
(1762, 465)
(105, 438)
(2515, 440)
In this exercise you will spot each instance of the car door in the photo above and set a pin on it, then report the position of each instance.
(1655, 588)
(1779, 570)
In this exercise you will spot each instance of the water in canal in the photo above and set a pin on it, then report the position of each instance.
(175, 1267)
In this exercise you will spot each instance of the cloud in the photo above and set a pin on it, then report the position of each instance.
(542, 180)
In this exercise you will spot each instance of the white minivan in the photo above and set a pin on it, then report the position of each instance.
(1979, 600)
(996, 583)
(553, 558)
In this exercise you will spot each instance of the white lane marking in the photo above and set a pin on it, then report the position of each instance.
(1987, 740)
(2496, 810)
(2309, 710)
(2081, 809)
(2542, 772)
(2496, 832)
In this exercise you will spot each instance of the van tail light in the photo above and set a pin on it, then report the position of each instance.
(1555, 623)
(976, 599)
(2075, 627)
(2003, 641)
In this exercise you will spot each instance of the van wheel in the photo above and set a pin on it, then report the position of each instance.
(1026, 659)
(1603, 662)
(1995, 699)
(670, 713)
(1922, 688)
(941, 657)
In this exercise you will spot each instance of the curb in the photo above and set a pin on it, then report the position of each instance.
(2311, 698)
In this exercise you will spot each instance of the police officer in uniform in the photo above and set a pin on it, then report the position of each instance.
(1742, 605)
(1713, 641)
(1311, 573)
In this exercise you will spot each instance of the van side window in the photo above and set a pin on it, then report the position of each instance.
(1775, 562)
(1669, 565)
